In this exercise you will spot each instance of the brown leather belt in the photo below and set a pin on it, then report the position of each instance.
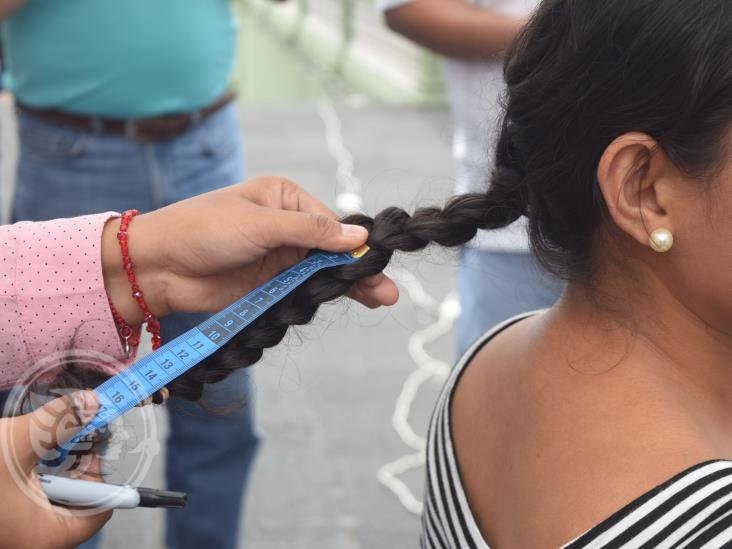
(139, 130)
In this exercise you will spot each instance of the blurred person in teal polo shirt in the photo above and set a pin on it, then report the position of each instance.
(123, 104)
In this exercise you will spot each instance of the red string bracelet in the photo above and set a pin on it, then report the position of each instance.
(153, 326)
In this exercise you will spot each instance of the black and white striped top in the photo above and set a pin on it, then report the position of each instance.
(692, 510)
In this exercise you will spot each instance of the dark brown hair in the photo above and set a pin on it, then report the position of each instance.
(391, 230)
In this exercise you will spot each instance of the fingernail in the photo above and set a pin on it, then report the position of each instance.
(353, 230)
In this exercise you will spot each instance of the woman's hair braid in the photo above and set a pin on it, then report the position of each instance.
(391, 230)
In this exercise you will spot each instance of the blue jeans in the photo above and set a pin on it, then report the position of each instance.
(65, 173)
(495, 286)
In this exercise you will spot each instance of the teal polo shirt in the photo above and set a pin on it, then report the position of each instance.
(120, 58)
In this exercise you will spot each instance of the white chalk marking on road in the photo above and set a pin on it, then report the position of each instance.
(349, 200)
(428, 369)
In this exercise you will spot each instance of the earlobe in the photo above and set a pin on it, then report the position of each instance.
(631, 178)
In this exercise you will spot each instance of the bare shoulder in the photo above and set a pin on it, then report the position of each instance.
(546, 452)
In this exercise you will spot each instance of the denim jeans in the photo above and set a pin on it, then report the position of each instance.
(495, 286)
(65, 173)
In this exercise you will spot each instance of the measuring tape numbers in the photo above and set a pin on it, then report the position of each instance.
(133, 385)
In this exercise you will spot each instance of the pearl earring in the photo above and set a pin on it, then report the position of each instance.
(661, 240)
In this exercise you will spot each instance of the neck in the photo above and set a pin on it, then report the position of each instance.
(638, 321)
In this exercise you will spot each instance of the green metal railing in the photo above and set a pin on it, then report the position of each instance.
(331, 45)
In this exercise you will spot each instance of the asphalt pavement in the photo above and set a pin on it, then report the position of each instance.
(325, 400)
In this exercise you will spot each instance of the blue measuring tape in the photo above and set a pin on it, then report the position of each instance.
(133, 385)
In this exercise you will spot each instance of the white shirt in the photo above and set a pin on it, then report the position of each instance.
(475, 89)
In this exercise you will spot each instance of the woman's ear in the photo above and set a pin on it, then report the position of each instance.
(634, 177)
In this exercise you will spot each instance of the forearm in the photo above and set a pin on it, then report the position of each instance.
(454, 28)
(7, 7)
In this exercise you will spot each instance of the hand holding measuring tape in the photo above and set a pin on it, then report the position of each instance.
(197, 255)
(201, 254)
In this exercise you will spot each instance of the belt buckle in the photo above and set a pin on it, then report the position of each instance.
(155, 130)
(130, 132)
(138, 131)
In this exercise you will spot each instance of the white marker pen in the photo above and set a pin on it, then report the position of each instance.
(85, 493)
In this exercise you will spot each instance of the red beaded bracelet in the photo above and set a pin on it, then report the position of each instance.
(153, 326)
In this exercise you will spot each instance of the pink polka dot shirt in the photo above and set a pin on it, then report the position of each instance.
(52, 295)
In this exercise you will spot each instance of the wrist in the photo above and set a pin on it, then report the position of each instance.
(147, 272)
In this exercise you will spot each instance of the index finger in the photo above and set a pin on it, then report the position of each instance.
(296, 199)
(282, 194)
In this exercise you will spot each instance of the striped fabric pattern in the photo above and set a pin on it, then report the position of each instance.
(690, 511)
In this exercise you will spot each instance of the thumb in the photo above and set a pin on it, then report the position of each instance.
(54, 423)
(79, 528)
(307, 230)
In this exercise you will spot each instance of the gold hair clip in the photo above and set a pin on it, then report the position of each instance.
(360, 252)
